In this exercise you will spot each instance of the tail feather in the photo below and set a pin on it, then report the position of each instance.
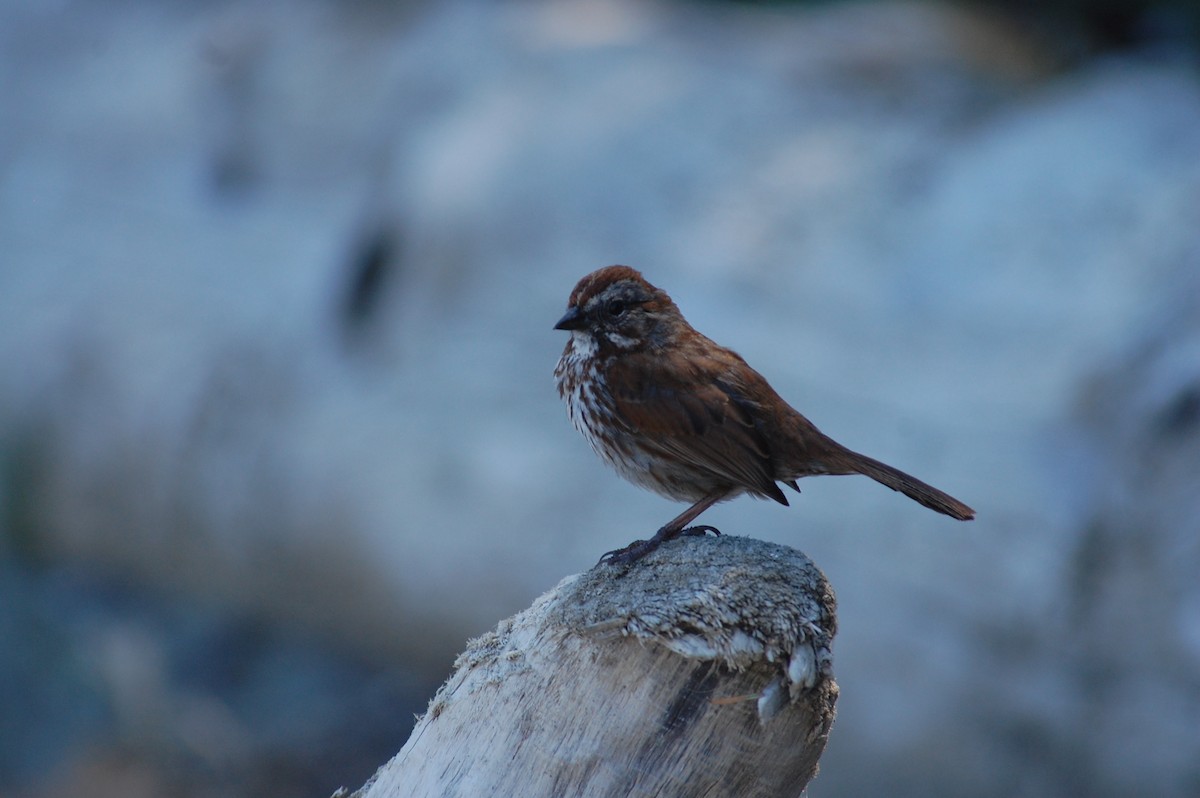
(907, 484)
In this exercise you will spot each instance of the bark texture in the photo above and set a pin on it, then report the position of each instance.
(702, 670)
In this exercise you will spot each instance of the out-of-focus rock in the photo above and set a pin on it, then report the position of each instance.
(1130, 617)
(112, 690)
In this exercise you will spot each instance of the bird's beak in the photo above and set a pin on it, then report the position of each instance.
(571, 320)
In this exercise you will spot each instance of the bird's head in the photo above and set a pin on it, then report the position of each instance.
(615, 308)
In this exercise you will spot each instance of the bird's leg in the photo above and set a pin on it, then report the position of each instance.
(673, 529)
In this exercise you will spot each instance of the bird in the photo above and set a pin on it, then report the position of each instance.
(676, 413)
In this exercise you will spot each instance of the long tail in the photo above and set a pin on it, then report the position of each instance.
(910, 486)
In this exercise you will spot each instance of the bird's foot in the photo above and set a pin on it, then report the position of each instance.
(640, 548)
(630, 554)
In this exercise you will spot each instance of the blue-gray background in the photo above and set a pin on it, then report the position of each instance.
(278, 429)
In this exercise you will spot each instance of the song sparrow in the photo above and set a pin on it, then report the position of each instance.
(674, 412)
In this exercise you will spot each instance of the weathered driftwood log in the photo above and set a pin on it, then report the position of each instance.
(701, 670)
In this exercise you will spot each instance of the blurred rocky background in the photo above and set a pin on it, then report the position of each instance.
(277, 424)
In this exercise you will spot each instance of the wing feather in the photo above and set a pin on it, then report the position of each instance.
(702, 417)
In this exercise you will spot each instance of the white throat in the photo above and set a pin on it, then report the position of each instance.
(583, 343)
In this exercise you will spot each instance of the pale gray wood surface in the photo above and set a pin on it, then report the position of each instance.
(702, 670)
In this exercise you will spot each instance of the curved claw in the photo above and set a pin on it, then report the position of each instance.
(640, 548)
(630, 554)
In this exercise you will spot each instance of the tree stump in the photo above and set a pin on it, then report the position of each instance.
(704, 669)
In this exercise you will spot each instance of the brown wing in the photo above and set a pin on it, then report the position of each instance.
(698, 414)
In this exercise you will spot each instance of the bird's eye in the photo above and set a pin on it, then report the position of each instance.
(615, 308)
